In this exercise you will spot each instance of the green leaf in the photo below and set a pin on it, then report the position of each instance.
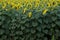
(22, 27)
(45, 38)
(34, 24)
(45, 31)
(39, 28)
(19, 32)
(27, 24)
(53, 38)
(54, 18)
(58, 14)
(58, 23)
(33, 31)
(1, 31)
(40, 20)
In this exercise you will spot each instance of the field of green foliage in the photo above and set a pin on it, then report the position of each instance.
(29, 19)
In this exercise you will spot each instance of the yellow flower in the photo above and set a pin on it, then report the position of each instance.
(30, 6)
(36, 5)
(26, 1)
(17, 6)
(48, 4)
(44, 12)
(0, 0)
(55, 4)
(37, 2)
(13, 5)
(30, 14)
(4, 5)
(24, 10)
(8, 1)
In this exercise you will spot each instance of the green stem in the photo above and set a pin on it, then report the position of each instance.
(53, 38)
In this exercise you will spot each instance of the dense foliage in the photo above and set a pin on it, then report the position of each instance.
(29, 19)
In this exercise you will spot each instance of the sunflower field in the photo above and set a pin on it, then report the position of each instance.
(29, 19)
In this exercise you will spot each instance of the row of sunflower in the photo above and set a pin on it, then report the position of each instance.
(39, 5)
